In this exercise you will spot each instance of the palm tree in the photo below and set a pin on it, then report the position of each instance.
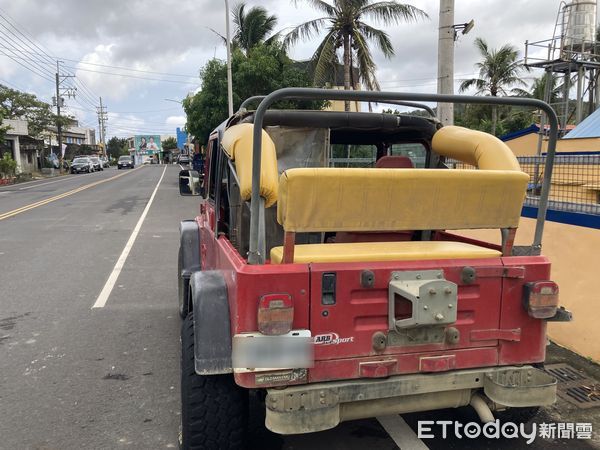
(252, 27)
(343, 23)
(498, 70)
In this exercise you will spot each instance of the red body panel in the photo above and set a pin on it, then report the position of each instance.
(494, 327)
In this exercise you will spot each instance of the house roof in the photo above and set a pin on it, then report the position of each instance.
(589, 128)
(533, 128)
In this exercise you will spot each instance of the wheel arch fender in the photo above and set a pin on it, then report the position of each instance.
(189, 241)
(189, 261)
(212, 331)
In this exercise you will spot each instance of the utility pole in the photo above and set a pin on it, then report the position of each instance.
(58, 123)
(70, 92)
(102, 118)
(445, 111)
(229, 77)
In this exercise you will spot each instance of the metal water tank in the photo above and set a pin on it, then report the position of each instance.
(580, 20)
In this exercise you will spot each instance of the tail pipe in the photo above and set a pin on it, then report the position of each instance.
(482, 409)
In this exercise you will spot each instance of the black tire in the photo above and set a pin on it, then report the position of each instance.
(183, 288)
(214, 410)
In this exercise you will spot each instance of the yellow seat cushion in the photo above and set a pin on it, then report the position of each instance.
(384, 251)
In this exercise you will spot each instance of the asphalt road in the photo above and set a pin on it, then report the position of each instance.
(77, 377)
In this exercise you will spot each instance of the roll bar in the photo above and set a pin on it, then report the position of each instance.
(430, 110)
(257, 256)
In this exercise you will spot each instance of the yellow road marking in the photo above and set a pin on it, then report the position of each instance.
(25, 208)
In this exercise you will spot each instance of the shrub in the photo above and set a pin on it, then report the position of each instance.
(8, 166)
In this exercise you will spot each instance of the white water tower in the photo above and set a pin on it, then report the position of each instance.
(579, 29)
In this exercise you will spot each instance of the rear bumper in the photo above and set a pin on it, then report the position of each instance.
(320, 406)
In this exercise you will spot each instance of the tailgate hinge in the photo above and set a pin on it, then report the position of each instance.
(493, 334)
(496, 271)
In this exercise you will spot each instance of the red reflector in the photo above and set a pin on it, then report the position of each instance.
(275, 314)
(541, 299)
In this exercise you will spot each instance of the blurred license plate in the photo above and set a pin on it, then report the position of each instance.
(255, 351)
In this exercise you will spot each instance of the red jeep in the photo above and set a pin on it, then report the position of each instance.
(340, 293)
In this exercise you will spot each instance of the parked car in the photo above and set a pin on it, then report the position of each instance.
(183, 158)
(97, 163)
(125, 162)
(105, 162)
(82, 164)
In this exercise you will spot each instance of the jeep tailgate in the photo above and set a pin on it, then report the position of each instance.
(350, 323)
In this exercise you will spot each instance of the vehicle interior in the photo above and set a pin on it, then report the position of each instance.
(390, 200)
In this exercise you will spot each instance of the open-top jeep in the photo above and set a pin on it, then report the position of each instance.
(340, 293)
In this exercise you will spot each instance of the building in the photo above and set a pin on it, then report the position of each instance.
(525, 142)
(72, 135)
(24, 149)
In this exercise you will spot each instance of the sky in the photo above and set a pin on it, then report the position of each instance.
(161, 45)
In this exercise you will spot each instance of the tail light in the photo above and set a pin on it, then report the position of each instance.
(275, 314)
(541, 299)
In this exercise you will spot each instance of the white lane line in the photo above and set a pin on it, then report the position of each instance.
(403, 435)
(112, 279)
(181, 166)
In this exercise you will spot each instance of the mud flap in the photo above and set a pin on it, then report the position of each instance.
(212, 337)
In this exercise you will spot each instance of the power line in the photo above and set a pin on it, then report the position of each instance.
(47, 59)
(28, 67)
(18, 45)
(10, 22)
(108, 66)
(133, 76)
(24, 58)
(147, 111)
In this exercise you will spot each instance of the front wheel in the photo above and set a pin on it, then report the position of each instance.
(214, 410)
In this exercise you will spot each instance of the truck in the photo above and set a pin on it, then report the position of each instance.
(334, 293)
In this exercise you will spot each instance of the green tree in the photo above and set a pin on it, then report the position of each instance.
(3, 129)
(21, 105)
(116, 147)
(265, 69)
(345, 28)
(499, 69)
(169, 143)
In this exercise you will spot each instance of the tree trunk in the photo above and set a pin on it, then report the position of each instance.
(347, 68)
(494, 118)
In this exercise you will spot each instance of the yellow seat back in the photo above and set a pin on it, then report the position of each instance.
(334, 199)
(237, 143)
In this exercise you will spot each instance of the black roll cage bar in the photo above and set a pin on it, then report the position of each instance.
(256, 254)
(245, 103)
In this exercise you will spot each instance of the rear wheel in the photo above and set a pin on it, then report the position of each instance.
(214, 410)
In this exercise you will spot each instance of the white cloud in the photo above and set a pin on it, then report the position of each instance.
(176, 120)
